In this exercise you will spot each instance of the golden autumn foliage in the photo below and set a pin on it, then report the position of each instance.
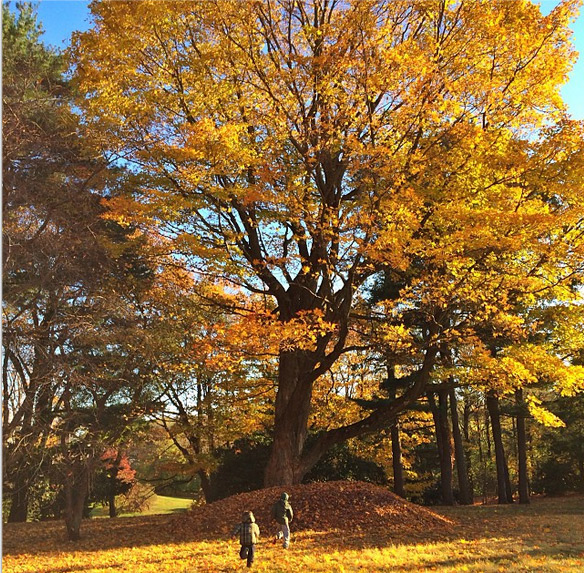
(295, 151)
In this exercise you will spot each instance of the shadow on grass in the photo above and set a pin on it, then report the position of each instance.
(473, 523)
(572, 504)
(96, 535)
(504, 559)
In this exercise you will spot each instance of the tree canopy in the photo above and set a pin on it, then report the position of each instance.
(295, 151)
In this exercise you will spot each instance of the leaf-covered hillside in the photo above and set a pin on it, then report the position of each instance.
(317, 507)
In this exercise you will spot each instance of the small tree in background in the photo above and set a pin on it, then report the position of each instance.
(115, 477)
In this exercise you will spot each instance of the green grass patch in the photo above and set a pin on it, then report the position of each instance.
(157, 505)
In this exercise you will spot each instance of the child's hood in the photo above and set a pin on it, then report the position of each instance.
(284, 503)
(248, 517)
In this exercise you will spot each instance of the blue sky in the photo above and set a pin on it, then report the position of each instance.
(61, 17)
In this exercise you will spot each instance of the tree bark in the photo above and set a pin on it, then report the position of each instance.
(396, 461)
(76, 490)
(466, 494)
(205, 483)
(290, 461)
(580, 457)
(19, 502)
(466, 420)
(504, 492)
(482, 456)
(113, 512)
(113, 483)
(396, 455)
(31, 421)
(293, 401)
(447, 453)
(522, 448)
(444, 443)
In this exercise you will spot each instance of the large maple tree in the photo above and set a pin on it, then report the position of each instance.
(297, 149)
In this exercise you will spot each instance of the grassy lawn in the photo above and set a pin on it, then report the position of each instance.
(158, 504)
(545, 536)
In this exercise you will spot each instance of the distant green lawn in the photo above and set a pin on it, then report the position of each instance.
(158, 504)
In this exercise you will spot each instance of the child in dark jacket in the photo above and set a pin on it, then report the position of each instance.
(282, 512)
(249, 535)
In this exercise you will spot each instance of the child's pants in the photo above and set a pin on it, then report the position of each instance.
(247, 552)
(285, 533)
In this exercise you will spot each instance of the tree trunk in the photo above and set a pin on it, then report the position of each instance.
(446, 459)
(33, 418)
(444, 442)
(522, 448)
(488, 434)
(113, 484)
(466, 495)
(290, 461)
(293, 401)
(113, 512)
(482, 456)
(396, 456)
(504, 492)
(580, 456)
(76, 490)
(466, 419)
(396, 461)
(205, 483)
(19, 502)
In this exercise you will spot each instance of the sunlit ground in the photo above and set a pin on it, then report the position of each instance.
(547, 535)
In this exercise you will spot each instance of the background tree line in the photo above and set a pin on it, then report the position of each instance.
(294, 277)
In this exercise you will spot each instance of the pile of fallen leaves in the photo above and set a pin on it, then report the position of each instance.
(345, 505)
